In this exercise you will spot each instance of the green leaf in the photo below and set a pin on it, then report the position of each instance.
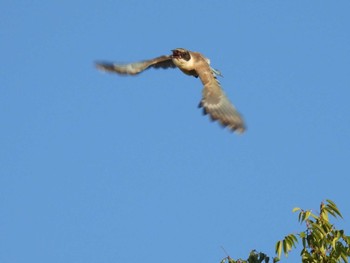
(329, 201)
(300, 217)
(347, 240)
(317, 228)
(294, 238)
(344, 257)
(307, 214)
(304, 242)
(290, 240)
(278, 249)
(295, 209)
(334, 241)
(284, 245)
(329, 210)
(333, 207)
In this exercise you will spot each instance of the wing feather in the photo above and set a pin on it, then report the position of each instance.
(215, 103)
(137, 67)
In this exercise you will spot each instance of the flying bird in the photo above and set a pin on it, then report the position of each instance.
(214, 101)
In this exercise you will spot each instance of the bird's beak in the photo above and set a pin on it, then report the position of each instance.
(176, 53)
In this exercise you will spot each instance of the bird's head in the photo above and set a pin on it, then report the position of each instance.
(181, 54)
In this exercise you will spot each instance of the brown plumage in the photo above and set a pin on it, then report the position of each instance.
(214, 101)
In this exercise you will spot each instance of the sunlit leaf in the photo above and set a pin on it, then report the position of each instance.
(347, 240)
(344, 257)
(330, 202)
(303, 216)
(284, 246)
(317, 228)
(307, 214)
(279, 248)
(304, 242)
(333, 207)
(295, 209)
(294, 238)
(330, 210)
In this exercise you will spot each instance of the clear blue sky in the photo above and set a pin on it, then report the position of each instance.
(96, 167)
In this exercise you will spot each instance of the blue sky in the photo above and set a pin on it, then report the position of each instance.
(101, 168)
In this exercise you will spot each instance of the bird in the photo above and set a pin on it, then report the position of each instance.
(214, 102)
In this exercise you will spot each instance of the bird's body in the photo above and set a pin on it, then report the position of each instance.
(214, 101)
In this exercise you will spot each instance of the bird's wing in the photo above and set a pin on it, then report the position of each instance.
(137, 67)
(214, 101)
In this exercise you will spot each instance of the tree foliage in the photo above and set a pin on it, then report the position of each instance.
(321, 241)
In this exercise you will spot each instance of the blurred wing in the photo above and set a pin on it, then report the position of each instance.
(137, 67)
(216, 104)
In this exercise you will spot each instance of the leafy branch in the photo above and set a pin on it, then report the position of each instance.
(321, 241)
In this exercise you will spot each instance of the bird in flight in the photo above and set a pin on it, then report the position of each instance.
(214, 101)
